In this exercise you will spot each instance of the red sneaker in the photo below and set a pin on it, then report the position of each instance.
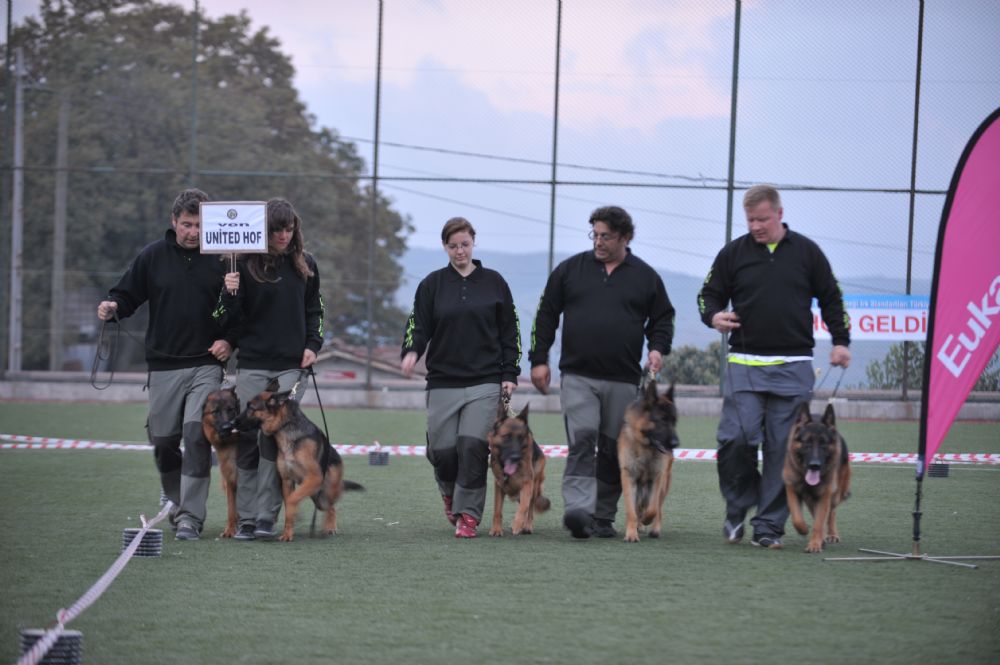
(466, 527)
(452, 519)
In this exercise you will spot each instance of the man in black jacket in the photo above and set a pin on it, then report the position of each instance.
(769, 276)
(185, 351)
(610, 300)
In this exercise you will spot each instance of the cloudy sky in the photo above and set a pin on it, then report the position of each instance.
(825, 101)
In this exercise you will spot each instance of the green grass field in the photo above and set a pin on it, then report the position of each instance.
(396, 587)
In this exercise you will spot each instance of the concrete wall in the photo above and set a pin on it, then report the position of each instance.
(401, 394)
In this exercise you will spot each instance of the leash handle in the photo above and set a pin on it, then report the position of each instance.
(505, 400)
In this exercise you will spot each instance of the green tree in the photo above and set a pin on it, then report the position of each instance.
(126, 67)
(689, 365)
(887, 374)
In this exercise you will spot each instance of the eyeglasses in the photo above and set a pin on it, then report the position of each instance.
(454, 247)
(603, 237)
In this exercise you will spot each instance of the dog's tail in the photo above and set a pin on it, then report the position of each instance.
(351, 485)
(542, 503)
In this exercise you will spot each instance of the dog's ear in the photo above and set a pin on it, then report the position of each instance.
(829, 419)
(670, 392)
(275, 400)
(523, 416)
(649, 394)
(805, 416)
(272, 385)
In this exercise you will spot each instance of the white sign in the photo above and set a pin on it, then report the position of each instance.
(881, 317)
(229, 227)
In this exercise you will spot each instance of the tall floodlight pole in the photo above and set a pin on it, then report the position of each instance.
(17, 220)
(59, 237)
(555, 141)
(731, 178)
(370, 299)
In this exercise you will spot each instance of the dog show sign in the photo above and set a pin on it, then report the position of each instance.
(234, 227)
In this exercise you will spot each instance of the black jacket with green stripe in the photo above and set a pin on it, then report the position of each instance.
(772, 294)
(467, 325)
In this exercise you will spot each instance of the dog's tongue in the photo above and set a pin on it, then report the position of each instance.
(812, 477)
(510, 468)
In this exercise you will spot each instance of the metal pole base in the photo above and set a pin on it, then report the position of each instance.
(895, 556)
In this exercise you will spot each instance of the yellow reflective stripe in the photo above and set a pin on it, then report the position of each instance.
(754, 363)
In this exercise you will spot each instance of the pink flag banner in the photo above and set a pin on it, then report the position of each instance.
(964, 320)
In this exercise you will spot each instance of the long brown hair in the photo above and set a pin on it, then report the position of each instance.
(264, 267)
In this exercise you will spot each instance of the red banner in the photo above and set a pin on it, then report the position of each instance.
(964, 328)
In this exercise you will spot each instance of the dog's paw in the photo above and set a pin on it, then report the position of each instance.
(496, 533)
(801, 527)
(832, 538)
(654, 534)
(631, 536)
(814, 547)
(286, 537)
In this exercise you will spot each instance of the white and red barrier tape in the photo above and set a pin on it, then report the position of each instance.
(17, 441)
(38, 650)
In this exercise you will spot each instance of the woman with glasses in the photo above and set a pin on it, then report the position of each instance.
(275, 300)
(464, 318)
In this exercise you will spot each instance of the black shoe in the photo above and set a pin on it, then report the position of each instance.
(264, 530)
(579, 523)
(245, 532)
(186, 531)
(604, 529)
(768, 542)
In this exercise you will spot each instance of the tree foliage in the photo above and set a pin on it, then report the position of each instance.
(126, 68)
(689, 365)
(887, 374)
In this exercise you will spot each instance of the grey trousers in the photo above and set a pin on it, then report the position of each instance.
(258, 486)
(593, 411)
(457, 422)
(758, 409)
(176, 399)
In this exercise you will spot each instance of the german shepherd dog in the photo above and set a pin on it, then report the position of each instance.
(308, 465)
(818, 472)
(646, 458)
(218, 422)
(518, 465)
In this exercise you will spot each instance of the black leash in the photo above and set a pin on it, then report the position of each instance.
(112, 352)
(843, 371)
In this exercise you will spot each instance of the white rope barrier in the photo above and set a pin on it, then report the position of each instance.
(38, 650)
(22, 442)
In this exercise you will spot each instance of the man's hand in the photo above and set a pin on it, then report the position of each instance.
(725, 321)
(106, 310)
(655, 360)
(308, 358)
(540, 378)
(840, 356)
(508, 387)
(221, 350)
(408, 362)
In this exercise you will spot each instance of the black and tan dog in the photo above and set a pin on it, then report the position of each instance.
(646, 458)
(308, 465)
(818, 472)
(218, 422)
(518, 465)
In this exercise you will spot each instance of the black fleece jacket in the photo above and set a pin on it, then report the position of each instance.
(470, 325)
(181, 286)
(274, 321)
(772, 293)
(604, 317)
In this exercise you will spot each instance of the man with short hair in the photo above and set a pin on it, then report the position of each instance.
(610, 300)
(185, 351)
(769, 276)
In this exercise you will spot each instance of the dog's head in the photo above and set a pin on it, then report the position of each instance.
(510, 438)
(221, 410)
(658, 417)
(266, 410)
(813, 445)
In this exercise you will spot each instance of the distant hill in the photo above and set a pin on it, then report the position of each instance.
(526, 274)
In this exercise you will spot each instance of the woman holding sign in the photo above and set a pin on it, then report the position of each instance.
(277, 308)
